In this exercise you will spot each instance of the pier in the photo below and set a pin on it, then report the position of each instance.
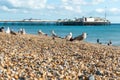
(28, 22)
(73, 22)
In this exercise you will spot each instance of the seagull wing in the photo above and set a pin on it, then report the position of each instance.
(80, 37)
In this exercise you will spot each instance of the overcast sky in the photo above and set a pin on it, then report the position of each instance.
(56, 9)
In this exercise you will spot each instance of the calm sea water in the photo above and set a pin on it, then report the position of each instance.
(103, 33)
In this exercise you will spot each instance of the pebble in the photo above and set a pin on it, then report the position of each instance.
(98, 73)
(91, 77)
(81, 77)
(98, 78)
(32, 57)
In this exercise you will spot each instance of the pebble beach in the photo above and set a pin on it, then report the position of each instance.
(38, 57)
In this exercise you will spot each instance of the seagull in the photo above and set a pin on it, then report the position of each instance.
(23, 31)
(8, 30)
(54, 34)
(20, 31)
(12, 32)
(81, 37)
(2, 29)
(69, 37)
(109, 43)
(41, 33)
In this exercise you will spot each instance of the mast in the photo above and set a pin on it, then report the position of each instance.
(106, 21)
(105, 12)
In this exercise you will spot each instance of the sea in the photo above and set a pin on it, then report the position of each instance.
(104, 33)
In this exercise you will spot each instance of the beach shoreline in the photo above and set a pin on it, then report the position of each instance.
(42, 57)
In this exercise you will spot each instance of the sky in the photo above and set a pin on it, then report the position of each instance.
(59, 9)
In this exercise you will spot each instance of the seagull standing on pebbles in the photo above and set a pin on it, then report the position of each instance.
(2, 29)
(12, 32)
(23, 30)
(81, 37)
(110, 43)
(69, 37)
(8, 30)
(54, 34)
(41, 33)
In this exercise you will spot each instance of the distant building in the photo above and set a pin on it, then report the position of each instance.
(94, 19)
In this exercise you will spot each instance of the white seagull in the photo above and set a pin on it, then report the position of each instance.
(68, 37)
(41, 33)
(23, 30)
(8, 30)
(54, 34)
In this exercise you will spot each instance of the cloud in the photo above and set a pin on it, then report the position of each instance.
(51, 7)
(78, 9)
(115, 0)
(32, 4)
(79, 2)
(78, 6)
(100, 10)
(73, 5)
(97, 1)
(82, 2)
(74, 2)
(65, 0)
(5, 8)
(115, 10)
(70, 8)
